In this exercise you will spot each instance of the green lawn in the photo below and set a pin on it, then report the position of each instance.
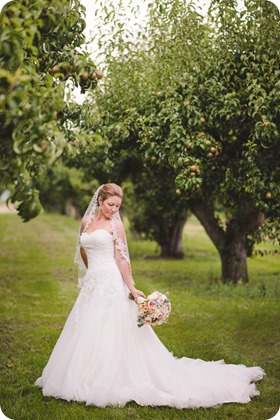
(209, 320)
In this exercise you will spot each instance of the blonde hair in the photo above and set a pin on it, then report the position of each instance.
(110, 190)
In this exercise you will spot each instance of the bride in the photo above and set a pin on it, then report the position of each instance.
(103, 358)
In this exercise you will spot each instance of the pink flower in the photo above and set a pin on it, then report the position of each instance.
(148, 320)
(161, 300)
(151, 304)
(154, 310)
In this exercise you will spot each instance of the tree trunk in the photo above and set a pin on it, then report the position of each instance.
(234, 267)
(232, 243)
(234, 260)
(172, 240)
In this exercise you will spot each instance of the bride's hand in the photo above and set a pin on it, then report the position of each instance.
(137, 293)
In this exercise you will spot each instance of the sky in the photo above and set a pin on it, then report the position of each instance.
(91, 5)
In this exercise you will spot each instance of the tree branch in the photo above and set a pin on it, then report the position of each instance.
(202, 207)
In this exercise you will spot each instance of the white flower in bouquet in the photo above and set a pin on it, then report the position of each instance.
(155, 295)
(154, 310)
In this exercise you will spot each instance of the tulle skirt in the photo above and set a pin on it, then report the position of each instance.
(103, 358)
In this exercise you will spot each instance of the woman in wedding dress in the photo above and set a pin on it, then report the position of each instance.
(103, 358)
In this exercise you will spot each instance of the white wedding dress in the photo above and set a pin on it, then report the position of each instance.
(103, 358)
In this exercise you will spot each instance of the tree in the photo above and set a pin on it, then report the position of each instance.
(156, 210)
(41, 59)
(116, 114)
(206, 103)
(226, 134)
(63, 189)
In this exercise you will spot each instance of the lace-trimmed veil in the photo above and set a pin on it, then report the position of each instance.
(119, 235)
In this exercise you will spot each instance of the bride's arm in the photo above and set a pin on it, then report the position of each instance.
(84, 256)
(123, 262)
(125, 270)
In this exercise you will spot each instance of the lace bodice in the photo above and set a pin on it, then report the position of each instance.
(103, 275)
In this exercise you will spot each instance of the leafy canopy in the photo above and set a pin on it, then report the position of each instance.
(41, 61)
(202, 97)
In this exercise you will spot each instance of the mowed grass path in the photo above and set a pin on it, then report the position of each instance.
(209, 320)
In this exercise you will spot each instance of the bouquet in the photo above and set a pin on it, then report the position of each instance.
(154, 310)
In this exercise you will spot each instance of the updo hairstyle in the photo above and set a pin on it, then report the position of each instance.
(110, 190)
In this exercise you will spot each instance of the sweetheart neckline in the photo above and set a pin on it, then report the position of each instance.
(95, 230)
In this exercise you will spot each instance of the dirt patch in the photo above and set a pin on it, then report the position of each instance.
(5, 209)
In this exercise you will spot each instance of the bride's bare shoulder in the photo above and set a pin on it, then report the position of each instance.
(85, 222)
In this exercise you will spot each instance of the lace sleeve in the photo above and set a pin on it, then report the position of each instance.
(120, 239)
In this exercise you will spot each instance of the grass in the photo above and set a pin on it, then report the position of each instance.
(209, 320)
